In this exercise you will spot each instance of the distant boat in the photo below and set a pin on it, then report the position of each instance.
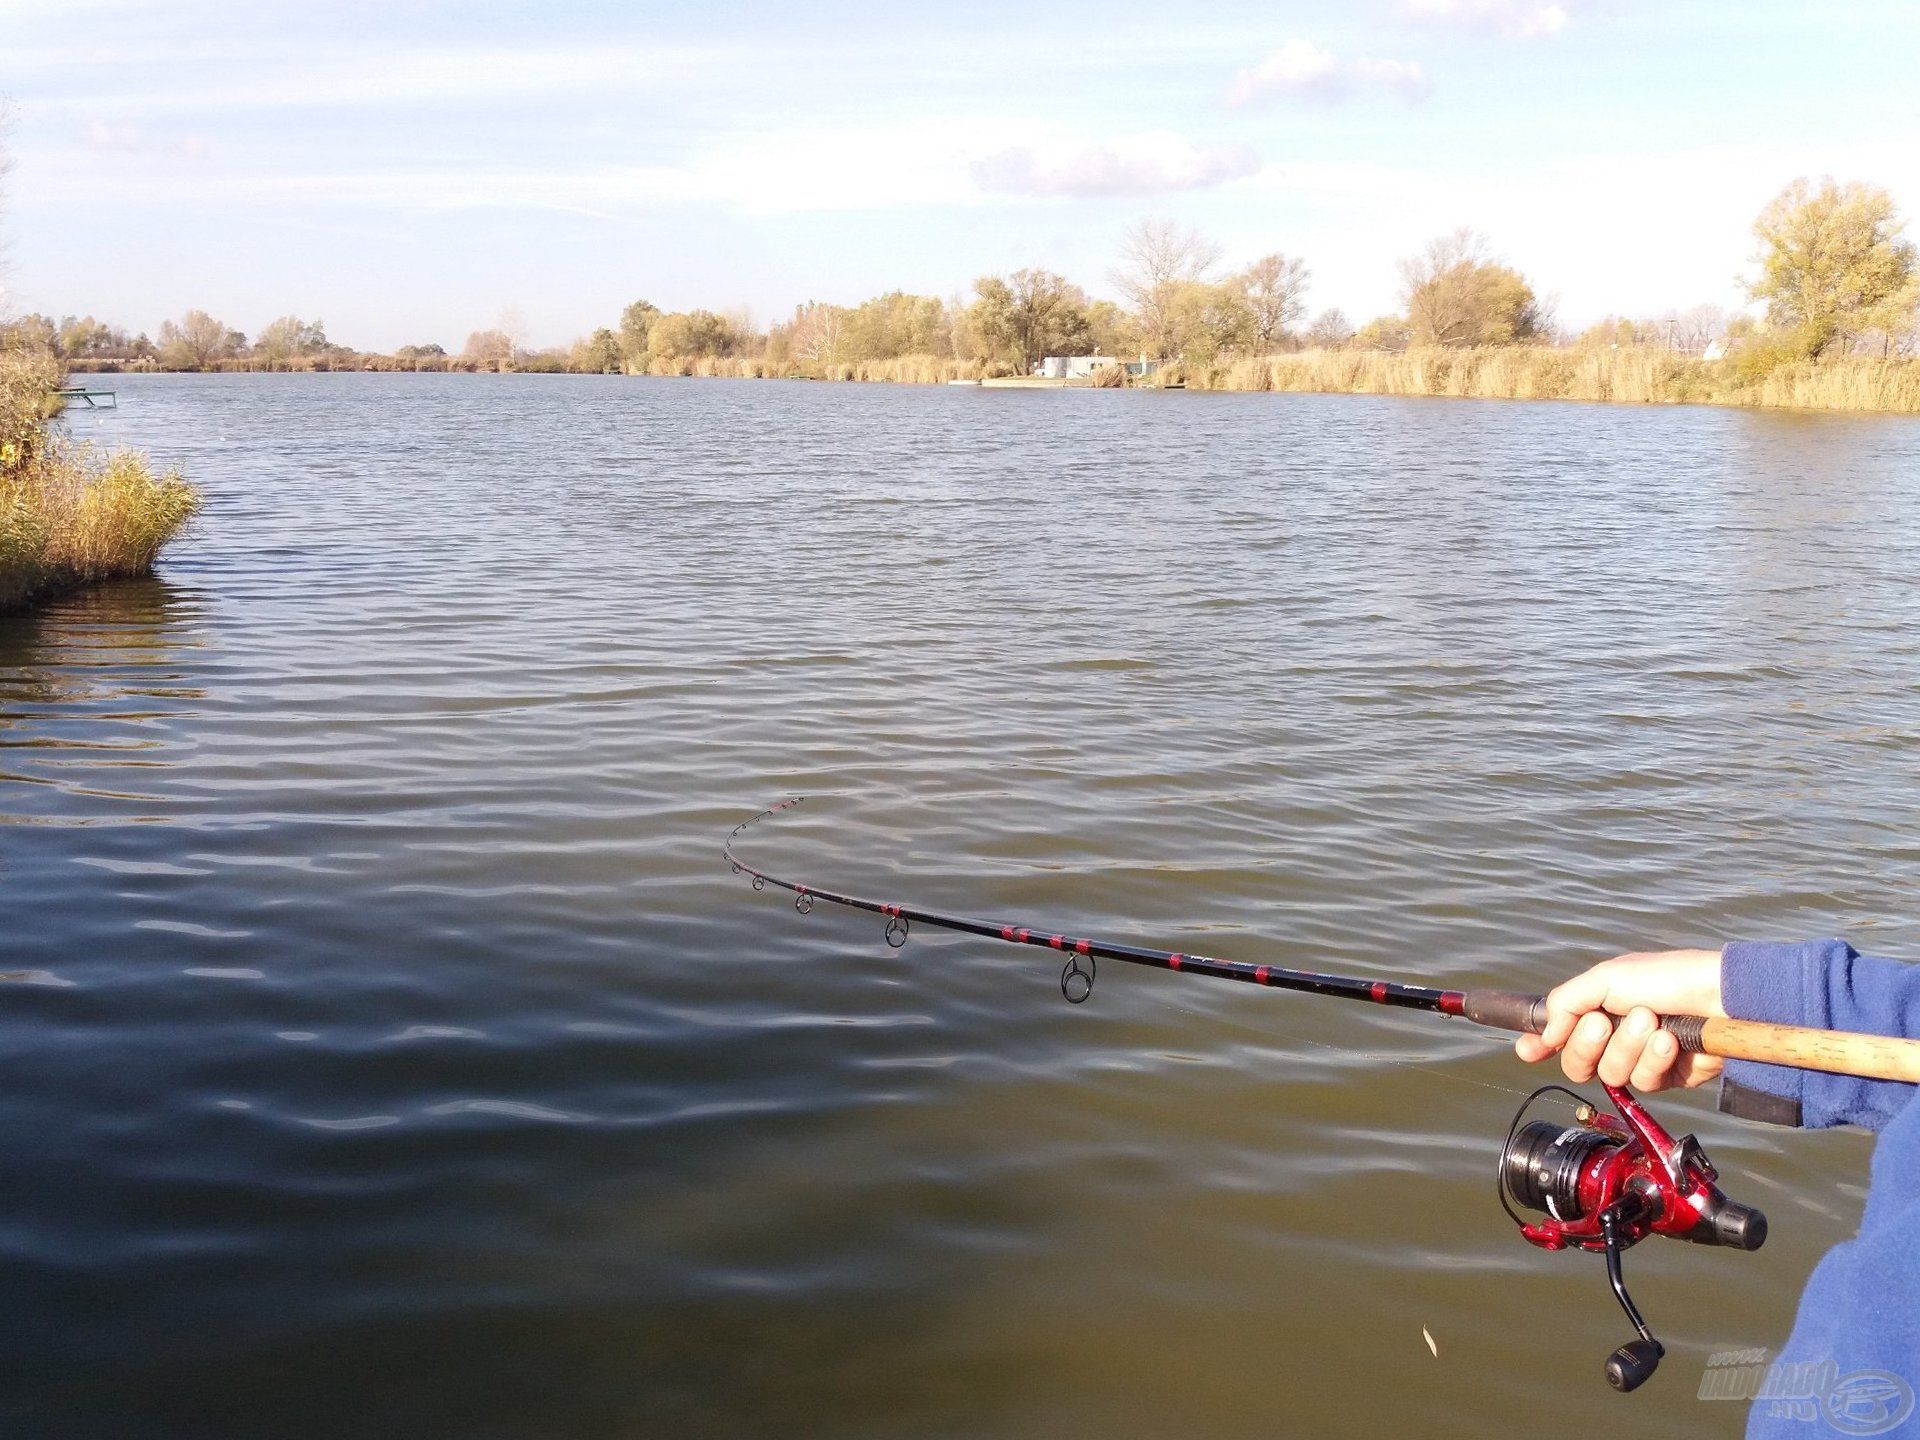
(963, 382)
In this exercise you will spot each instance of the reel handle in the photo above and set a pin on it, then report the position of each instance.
(1836, 1052)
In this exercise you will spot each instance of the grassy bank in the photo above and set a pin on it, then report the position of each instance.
(1630, 375)
(70, 513)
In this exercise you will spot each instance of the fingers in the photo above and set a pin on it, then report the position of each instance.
(1655, 1069)
(1581, 1028)
(1569, 1000)
(1635, 1052)
(1585, 1047)
(1656, 1063)
(1628, 1045)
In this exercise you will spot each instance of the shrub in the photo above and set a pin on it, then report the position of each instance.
(69, 513)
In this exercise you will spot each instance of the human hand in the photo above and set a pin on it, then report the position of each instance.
(1635, 990)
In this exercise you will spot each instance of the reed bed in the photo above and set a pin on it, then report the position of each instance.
(1629, 376)
(71, 514)
(899, 370)
(1632, 375)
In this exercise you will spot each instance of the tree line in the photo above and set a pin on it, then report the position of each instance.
(1836, 275)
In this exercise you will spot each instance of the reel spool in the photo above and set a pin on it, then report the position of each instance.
(1605, 1183)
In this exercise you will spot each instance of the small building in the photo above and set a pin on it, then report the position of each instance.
(1716, 350)
(1073, 367)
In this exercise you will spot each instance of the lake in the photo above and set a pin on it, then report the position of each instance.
(387, 1050)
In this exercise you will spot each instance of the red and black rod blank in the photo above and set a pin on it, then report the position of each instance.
(1497, 1008)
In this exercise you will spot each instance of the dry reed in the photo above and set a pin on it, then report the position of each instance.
(69, 513)
(1630, 375)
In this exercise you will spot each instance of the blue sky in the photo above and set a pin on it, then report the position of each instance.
(406, 172)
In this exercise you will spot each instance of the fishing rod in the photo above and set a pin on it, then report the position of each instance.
(1604, 1182)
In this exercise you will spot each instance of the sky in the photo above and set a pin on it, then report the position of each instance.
(409, 172)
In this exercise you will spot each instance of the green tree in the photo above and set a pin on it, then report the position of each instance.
(88, 338)
(636, 324)
(288, 337)
(30, 332)
(197, 341)
(1209, 321)
(1110, 330)
(599, 354)
(1385, 332)
(1028, 315)
(421, 357)
(1834, 264)
(1616, 332)
(694, 334)
(1456, 295)
(895, 324)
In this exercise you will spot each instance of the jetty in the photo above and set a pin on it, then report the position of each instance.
(88, 399)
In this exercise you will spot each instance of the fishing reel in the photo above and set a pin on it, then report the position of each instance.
(1605, 1183)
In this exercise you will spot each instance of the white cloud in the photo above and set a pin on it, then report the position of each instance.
(794, 171)
(355, 77)
(99, 135)
(1523, 19)
(933, 162)
(1300, 67)
(127, 139)
(1147, 164)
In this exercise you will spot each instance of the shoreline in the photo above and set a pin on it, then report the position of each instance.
(72, 514)
(1854, 385)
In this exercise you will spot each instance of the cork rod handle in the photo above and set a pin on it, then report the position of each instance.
(1837, 1052)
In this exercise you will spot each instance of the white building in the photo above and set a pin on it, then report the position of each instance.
(1073, 367)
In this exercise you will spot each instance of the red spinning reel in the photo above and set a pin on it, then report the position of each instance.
(1606, 1182)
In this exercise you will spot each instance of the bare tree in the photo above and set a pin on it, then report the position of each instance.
(1330, 330)
(1687, 331)
(1276, 288)
(1157, 257)
(513, 325)
(818, 332)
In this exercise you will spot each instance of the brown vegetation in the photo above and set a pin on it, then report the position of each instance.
(1638, 375)
(1839, 282)
(69, 513)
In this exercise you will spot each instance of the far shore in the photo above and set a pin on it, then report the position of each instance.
(1631, 375)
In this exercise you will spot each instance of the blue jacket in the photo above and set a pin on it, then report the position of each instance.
(1852, 1364)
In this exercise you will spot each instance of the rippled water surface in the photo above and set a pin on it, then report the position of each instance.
(385, 1050)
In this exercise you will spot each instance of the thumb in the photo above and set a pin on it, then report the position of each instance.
(1532, 1048)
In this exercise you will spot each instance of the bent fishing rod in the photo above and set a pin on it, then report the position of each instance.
(1602, 1183)
(1873, 1057)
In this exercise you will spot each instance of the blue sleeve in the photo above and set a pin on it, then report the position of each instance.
(1831, 986)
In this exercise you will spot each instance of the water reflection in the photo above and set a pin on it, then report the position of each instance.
(89, 684)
